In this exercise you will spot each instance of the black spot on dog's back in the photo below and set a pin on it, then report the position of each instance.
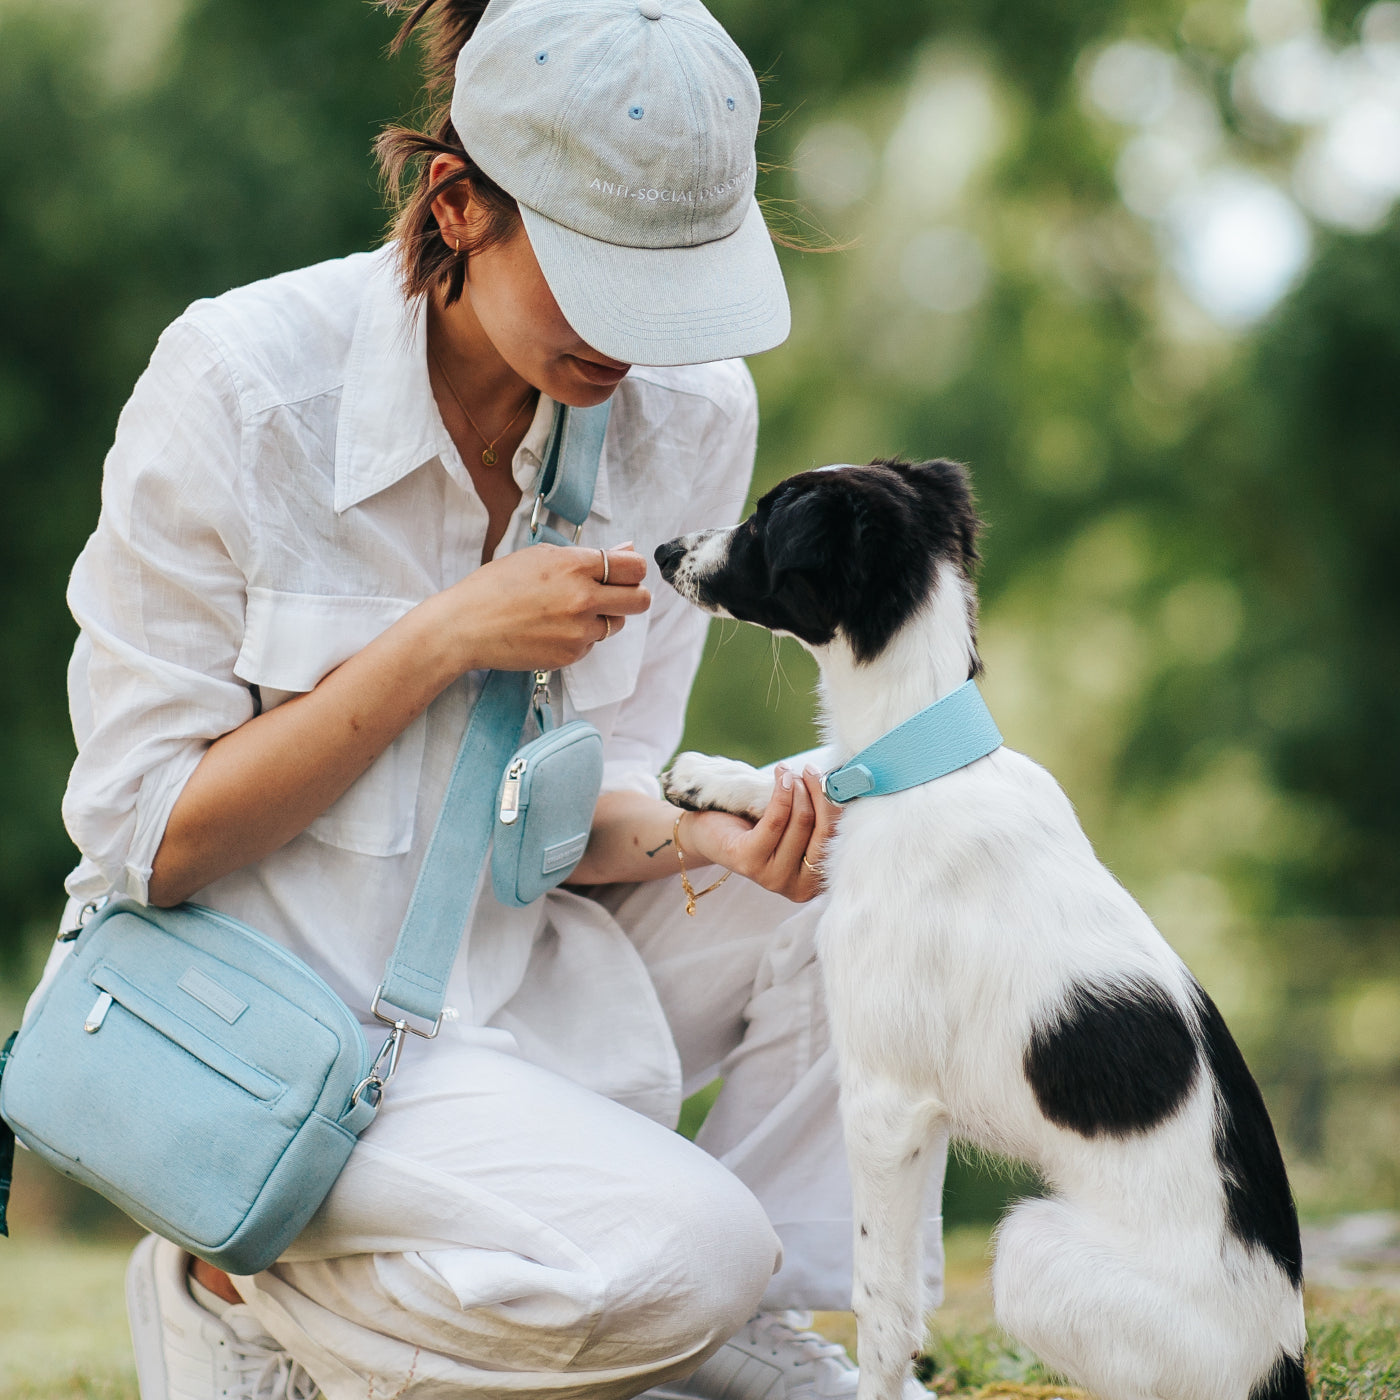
(1258, 1203)
(1116, 1059)
(1287, 1381)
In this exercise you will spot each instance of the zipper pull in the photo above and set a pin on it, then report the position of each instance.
(98, 1014)
(510, 792)
(539, 701)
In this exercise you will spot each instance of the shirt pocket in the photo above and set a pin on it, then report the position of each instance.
(290, 642)
(608, 674)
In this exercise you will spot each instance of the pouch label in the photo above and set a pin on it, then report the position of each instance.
(563, 854)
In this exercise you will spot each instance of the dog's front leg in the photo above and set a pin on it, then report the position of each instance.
(888, 1132)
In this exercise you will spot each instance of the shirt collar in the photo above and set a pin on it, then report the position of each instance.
(389, 424)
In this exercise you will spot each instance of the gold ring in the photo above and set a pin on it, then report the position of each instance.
(810, 866)
(604, 553)
(607, 622)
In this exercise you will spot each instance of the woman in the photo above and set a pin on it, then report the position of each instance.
(309, 538)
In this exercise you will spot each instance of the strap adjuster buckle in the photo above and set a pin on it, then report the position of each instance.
(537, 510)
(401, 1022)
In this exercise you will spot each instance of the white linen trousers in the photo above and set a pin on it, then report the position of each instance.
(500, 1230)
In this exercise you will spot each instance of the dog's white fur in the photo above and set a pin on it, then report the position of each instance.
(960, 914)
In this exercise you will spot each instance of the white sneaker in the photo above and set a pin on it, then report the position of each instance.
(186, 1352)
(774, 1356)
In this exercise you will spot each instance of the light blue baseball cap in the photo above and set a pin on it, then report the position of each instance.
(625, 131)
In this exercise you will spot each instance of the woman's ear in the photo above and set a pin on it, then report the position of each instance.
(453, 207)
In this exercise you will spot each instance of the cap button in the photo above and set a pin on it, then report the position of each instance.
(649, 9)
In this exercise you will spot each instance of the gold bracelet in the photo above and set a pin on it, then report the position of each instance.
(691, 894)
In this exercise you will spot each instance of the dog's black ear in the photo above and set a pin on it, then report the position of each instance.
(945, 490)
(802, 534)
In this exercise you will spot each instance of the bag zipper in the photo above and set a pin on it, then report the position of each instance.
(98, 1014)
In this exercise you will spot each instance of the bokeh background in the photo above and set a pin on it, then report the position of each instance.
(1136, 261)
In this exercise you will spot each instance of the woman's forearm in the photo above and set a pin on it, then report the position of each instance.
(632, 840)
(266, 781)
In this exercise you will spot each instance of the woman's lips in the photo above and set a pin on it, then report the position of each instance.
(595, 373)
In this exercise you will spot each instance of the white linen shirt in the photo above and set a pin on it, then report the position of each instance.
(280, 490)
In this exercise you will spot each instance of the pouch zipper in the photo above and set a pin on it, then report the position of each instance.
(513, 788)
(510, 791)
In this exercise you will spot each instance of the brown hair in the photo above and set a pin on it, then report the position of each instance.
(426, 263)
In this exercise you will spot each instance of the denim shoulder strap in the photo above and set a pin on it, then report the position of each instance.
(570, 471)
(415, 980)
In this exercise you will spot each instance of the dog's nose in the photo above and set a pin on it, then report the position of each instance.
(668, 556)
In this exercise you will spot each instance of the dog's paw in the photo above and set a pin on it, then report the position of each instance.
(701, 782)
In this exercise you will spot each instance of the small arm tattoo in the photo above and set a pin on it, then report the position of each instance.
(661, 847)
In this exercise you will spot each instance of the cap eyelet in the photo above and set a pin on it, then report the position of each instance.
(636, 113)
(729, 102)
(542, 56)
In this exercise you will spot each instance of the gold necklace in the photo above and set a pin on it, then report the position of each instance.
(489, 456)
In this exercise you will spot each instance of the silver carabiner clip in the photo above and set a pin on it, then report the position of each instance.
(386, 1063)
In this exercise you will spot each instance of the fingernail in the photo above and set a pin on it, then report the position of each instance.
(787, 778)
(810, 772)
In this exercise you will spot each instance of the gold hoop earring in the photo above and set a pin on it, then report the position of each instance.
(456, 245)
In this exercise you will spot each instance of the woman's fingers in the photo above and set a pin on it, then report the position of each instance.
(797, 834)
(626, 568)
(761, 844)
(827, 814)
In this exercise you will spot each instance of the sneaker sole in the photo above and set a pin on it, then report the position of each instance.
(143, 1317)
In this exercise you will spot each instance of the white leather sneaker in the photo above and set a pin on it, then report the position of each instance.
(775, 1356)
(186, 1352)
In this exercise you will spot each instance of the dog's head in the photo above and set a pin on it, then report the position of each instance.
(848, 552)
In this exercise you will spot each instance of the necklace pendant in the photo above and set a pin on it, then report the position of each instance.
(489, 458)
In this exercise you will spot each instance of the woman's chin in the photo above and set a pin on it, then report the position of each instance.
(581, 387)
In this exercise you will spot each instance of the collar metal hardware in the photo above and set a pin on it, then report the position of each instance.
(938, 740)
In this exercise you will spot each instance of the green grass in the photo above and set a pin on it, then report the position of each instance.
(63, 1331)
(63, 1322)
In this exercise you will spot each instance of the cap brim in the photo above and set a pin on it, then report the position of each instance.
(667, 306)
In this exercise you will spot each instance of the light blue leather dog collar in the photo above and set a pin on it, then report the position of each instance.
(948, 735)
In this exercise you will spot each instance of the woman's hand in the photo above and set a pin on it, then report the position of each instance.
(783, 850)
(541, 608)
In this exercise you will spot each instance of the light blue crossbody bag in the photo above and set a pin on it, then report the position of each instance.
(207, 1081)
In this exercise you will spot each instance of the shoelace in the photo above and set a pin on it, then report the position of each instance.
(271, 1375)
(790, 1330)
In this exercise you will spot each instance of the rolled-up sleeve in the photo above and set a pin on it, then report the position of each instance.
(651, 720)
(159, 596)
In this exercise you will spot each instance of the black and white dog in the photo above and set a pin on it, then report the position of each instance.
(987, 976)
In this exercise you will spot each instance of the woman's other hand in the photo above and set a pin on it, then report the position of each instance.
(541, 608)
(783, 850)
